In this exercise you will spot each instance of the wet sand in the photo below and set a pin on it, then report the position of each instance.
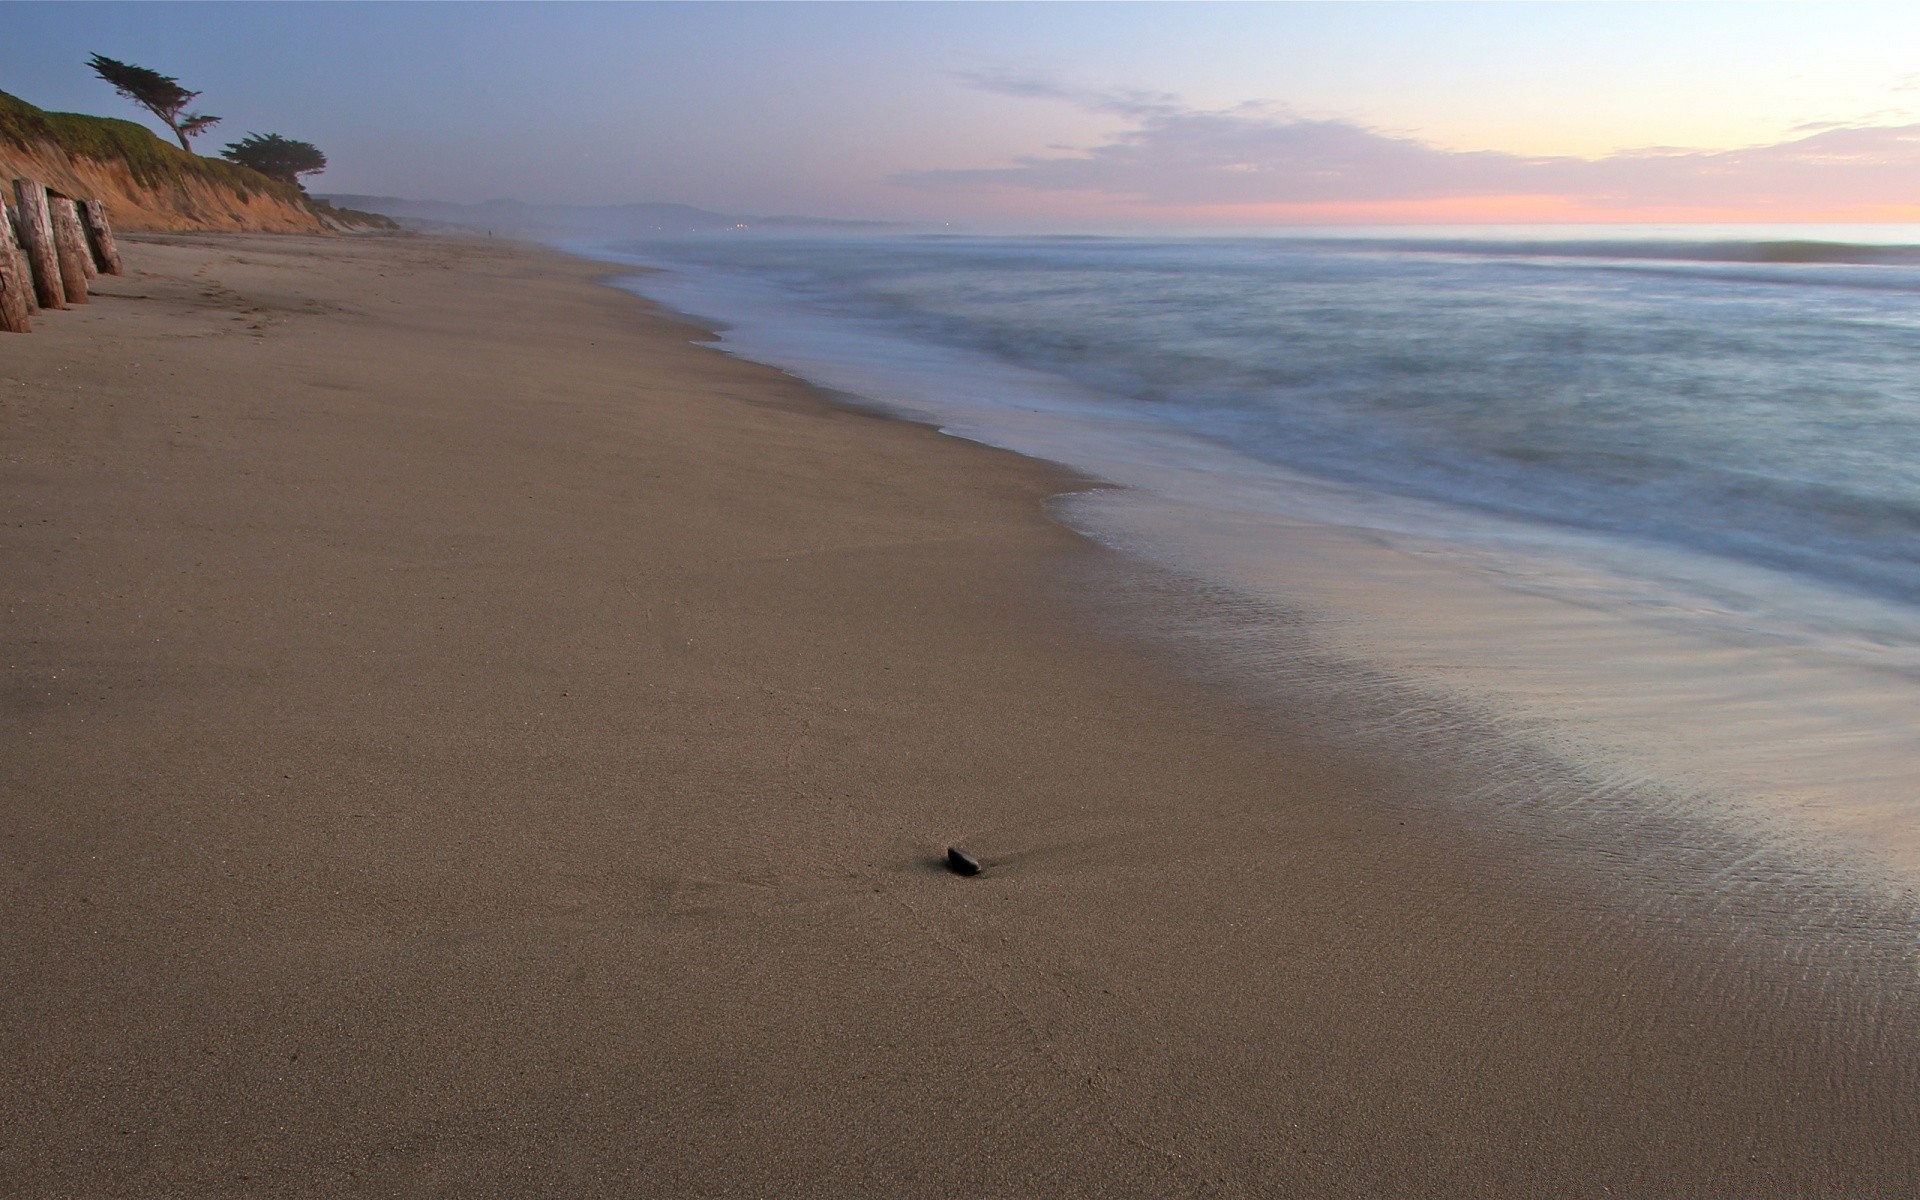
(464, 737)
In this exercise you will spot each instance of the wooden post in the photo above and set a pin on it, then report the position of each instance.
(36, 237)
(15, 290)
(20, 257)
(106, 254)
(71, 245)
(56, 204)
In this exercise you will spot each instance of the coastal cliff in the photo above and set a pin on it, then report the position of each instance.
(147, 184)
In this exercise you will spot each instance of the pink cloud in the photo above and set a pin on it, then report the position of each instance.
(1251, 155)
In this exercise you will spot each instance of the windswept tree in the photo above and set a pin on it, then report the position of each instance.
(276, 157)
(159, 94)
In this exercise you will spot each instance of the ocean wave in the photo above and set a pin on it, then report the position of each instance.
(1784, 252)
(1719, 396)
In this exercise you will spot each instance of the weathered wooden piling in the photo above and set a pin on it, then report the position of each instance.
(91, 267)
(16, 290)
(106, 253)
(70, 244)
(20, 253)
(36, 238)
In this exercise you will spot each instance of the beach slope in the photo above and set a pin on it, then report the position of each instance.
(465, 737)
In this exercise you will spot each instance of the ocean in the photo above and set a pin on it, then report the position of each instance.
(1647, 502)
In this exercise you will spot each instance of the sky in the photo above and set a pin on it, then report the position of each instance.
(1070, 115)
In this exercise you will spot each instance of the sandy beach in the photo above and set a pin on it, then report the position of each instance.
(466, 737)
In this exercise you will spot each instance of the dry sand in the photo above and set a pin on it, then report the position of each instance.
(463, 738)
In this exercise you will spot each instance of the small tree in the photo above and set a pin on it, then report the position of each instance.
(159, 94)
(277, 157)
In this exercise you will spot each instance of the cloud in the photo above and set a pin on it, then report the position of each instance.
(1027, 86)
(1172, 154)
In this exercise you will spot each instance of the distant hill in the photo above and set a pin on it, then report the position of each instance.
(516, 218)
(146, 183)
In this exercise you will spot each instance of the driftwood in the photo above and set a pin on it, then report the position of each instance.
(16, 290)
(36, 238)
(70, 244)
(106, 254)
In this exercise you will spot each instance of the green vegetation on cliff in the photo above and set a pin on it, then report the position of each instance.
(351, 218)
(153, 162)
(155, 165)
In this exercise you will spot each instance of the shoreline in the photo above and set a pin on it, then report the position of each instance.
(629, 691)
(1750, 699)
